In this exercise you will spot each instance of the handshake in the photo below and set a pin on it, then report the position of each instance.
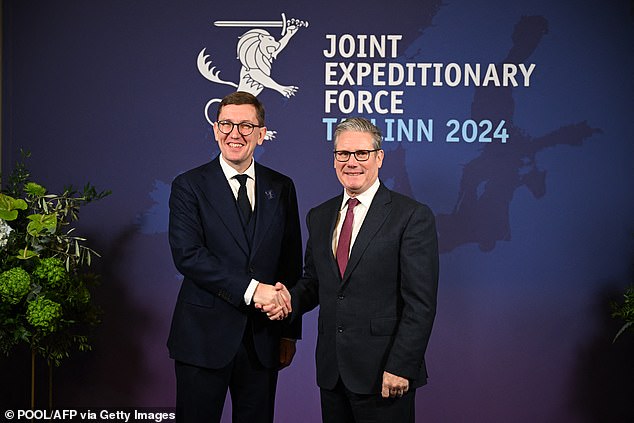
(274, 300)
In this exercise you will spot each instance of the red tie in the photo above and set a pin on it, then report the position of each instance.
(343, 246)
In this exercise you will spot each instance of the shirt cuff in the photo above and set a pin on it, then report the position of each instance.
(248, 295)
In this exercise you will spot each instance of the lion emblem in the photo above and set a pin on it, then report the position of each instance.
(256, 50)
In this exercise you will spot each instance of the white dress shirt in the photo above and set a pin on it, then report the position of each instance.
(230, 172)
(360, 211)
(235, 185)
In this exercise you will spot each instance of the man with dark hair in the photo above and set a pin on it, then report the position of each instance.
(234, 231)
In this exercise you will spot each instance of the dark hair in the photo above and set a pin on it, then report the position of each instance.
(241, 97)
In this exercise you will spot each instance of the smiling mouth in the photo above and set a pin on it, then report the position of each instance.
(235, 145)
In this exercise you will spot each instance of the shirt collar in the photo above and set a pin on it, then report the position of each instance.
(230, 172)
(365, 197)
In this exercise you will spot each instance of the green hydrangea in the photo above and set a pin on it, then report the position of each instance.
(43, 314)
(51, 270)
(15, 284)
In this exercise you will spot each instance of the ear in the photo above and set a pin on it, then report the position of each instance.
(262, 135)
(379, 158)
(215, 128)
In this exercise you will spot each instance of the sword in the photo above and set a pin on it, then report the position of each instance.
(262, 24)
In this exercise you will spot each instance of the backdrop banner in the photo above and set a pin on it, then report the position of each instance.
(510, 119)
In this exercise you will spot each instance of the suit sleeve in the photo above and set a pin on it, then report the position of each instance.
(291, 258)
(418, 261)
(305, 295)
(191, 257)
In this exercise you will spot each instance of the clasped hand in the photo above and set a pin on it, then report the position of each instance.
(274, 300)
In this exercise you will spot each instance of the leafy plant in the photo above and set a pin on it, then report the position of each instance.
(625, 311)
(45, 285)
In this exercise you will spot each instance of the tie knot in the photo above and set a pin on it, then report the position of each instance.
(242, 179)
(352, 203)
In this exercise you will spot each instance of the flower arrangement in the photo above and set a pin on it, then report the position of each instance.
(45, 286)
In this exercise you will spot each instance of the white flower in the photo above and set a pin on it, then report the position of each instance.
(5, 230)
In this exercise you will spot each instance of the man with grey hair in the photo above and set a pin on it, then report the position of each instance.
(371, 265)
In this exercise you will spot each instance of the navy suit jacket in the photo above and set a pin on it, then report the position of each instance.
(210, 249)
(379, 316)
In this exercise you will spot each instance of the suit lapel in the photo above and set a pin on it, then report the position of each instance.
(378, 212)
(267, 200)
(333, 214)
(216, 189)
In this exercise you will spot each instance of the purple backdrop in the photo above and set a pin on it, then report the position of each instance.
(535, 222)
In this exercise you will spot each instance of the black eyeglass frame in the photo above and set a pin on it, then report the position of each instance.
(353, 153)
(240, 126)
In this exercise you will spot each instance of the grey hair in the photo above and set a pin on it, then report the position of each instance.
(360, 124)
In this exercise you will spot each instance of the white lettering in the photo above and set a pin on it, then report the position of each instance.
(509, 72)
(527, 73)
(364, 101)
(362, 45)
(491, 75)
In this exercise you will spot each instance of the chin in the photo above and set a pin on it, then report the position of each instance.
(236, 158)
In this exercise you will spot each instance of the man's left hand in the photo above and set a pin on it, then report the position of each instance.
(393, 386)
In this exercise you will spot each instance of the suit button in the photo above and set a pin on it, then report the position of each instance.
(341, 297)
(340, 329)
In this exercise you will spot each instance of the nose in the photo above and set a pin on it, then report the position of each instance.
(234, 132)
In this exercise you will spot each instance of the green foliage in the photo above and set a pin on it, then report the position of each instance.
(45, 281)
(51, 272)
(15, 284)
(9, 207)
(625, 311)
(43, 314)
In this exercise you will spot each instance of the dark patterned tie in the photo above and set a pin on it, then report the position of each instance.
(345, 236)
(243, 199)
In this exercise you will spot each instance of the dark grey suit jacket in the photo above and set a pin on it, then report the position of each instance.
(379, 316)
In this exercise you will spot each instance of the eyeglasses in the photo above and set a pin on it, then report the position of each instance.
(360, 155)
(244, 128)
